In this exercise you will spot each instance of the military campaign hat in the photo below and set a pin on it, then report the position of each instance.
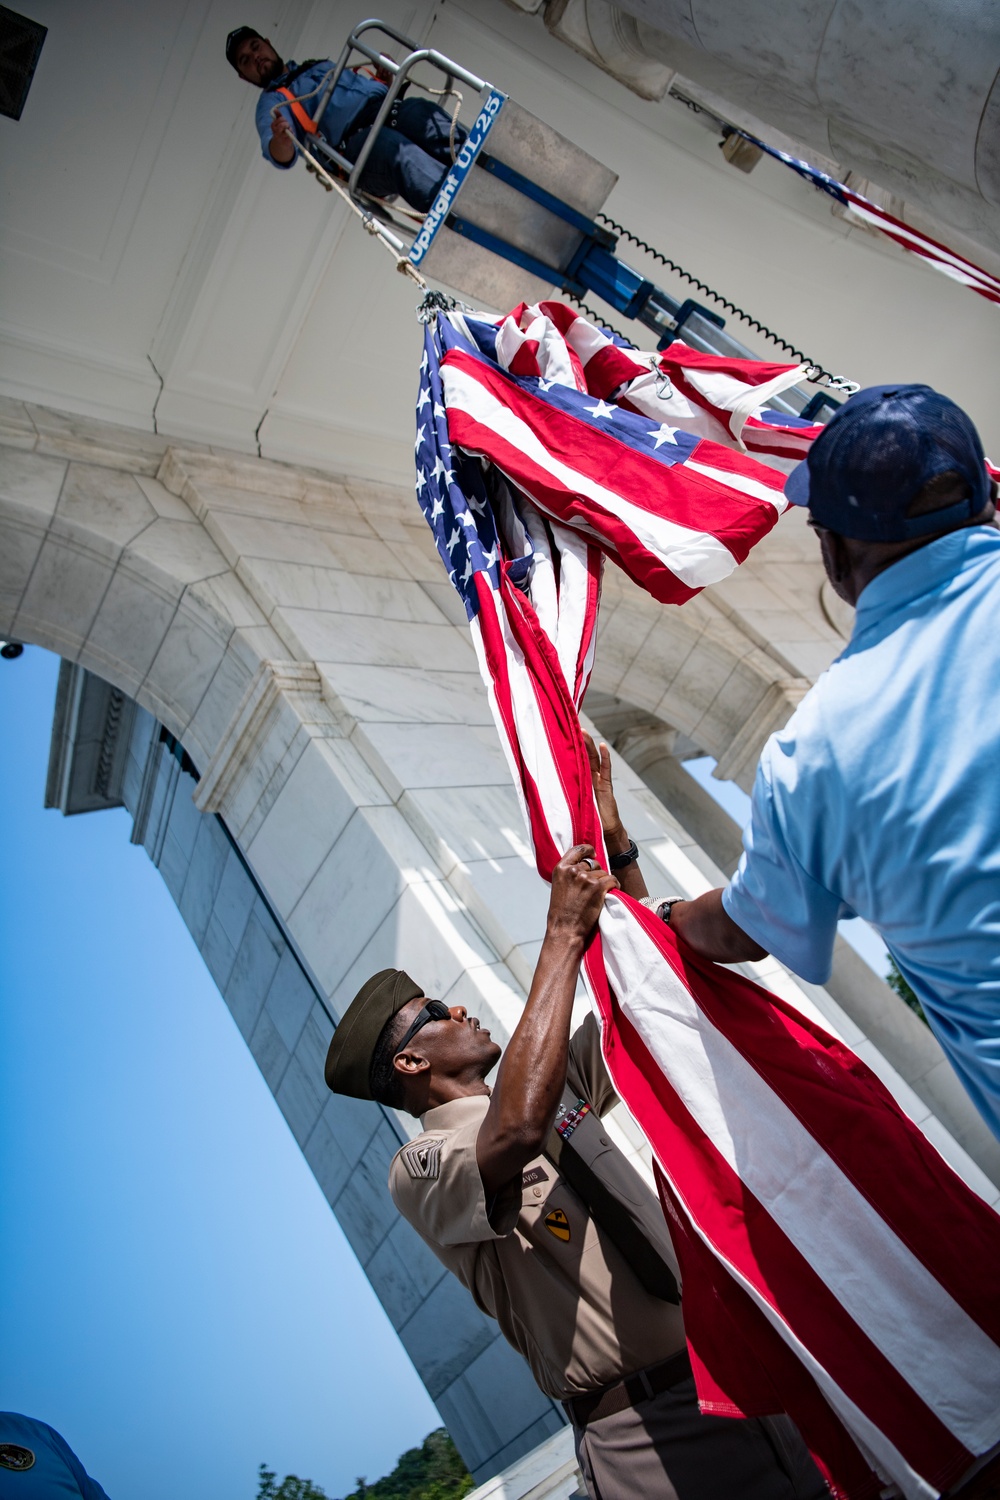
(349, 1058)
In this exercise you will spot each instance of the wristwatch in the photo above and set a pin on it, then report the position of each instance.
(627, 857)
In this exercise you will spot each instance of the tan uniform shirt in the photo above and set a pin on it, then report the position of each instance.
(561, 1291)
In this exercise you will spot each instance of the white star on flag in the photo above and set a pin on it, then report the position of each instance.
(454, 540)
(424, 398)
(438, 468)
(663, 434)
(421, 434)
(437, 509)
(602, 409)
(421, 480)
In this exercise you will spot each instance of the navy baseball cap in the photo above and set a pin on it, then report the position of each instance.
(237, 35)
(875, 455)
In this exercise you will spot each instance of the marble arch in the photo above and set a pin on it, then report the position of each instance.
(295, 634)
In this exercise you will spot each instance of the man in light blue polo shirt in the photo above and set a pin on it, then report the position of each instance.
(411, 153)
(881, 796)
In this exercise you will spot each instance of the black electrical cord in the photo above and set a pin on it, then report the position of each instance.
(820, 374)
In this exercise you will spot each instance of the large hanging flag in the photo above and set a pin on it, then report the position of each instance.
(807, 1210)
(936, 254)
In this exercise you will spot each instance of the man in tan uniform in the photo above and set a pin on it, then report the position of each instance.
(499, 1213)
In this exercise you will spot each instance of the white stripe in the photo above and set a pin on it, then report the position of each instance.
(942, 1352)
(515, 775)
(727, 393)
(531, 737)
(755, 397)
(945, 260)
(553, 355)
(871, 213)
(881, 1454)
(742, 482)
(696, 558)
(573, 589)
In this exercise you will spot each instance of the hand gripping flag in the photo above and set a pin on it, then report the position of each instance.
(834, 1266)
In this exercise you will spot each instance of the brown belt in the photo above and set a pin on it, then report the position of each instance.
(630, 1391)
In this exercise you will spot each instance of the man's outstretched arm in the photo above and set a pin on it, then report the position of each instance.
(706, 927)
(532, 1073)
(282, 143)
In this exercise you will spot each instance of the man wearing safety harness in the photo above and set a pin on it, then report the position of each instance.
(520, 1194)
(411, 154)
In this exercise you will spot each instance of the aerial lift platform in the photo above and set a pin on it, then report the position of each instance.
(515, 219)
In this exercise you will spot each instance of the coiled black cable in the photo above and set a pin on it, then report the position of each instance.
(819, 375)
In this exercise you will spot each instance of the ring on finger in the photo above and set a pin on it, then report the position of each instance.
(591, 862)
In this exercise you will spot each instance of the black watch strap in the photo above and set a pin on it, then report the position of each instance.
(627, 857)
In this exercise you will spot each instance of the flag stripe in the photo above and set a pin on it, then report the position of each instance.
(853, 1372)
(906, 1313)
(480, 421)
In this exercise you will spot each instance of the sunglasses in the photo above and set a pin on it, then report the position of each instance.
(434, 1010)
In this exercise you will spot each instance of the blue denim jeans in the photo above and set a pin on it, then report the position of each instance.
(411, 157)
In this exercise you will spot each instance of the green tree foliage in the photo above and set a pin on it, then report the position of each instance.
(434, 1471)
(290, 1488)
(895, 981)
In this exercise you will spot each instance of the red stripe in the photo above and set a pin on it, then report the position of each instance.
(525, 361)
(860, 1127)
(606, 369)
(495, 651)
(744, 372)
(740, 1228)
(557, 716)
(595, 569)
(609, 368)
(694, 500)
(991, 289)
(743, 1366)
(566, 506)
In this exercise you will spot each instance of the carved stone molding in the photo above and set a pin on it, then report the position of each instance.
(738, 762)
(276, 686)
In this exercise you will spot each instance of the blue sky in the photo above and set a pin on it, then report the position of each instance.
(175, 1295)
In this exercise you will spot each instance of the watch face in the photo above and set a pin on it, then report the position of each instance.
(13, 1456)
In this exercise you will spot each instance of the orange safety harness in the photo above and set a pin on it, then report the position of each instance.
(381, 75)
(299, 111)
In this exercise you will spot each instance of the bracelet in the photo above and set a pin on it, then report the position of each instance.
(666, 907)
(630, 855)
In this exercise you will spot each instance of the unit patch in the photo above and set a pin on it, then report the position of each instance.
(13, 1456)
(537, 1174)
(422, 1158)
(557, 1223)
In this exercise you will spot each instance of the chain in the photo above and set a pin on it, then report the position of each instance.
(817, 373)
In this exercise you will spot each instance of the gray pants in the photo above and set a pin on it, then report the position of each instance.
(664, 1449)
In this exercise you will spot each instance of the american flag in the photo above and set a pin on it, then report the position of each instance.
(938, 255)
(806, 1209)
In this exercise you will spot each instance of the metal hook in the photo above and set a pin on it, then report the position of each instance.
(664, 385)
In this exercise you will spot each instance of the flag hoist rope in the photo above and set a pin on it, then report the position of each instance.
(378, 231)
(385, 237)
